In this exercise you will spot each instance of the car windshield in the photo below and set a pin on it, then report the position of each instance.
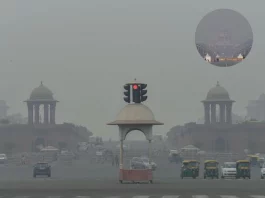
(211, 164)
(230, 165)
(2, 155)
(42, 165)
(145, 160)
(244, 164)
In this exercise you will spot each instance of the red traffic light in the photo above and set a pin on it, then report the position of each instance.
(135, 86)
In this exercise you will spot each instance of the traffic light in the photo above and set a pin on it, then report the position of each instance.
(143, 92)
(127, 93)
(136, 93)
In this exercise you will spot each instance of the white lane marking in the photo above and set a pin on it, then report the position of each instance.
(200, 196)
(82, 197)
(257, 196)
(228, 196)
(170, 196)
(112, 197)
(141, 196)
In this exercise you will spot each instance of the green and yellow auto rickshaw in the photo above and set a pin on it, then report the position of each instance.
(243, 169)
(253, 159)
(190, 168)
(211, 169)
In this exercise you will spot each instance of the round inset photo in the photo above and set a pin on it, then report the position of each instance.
(224, 38)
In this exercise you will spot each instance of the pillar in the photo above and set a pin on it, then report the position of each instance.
(121, 154)
(229, 113)
(30, 113)
(37, 113)
(213, 113)
(52, 113)
(150, 150)
(206, 113)
(222, 113)
(46, 114)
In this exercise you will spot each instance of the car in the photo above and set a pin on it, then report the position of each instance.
(3, 158)
(140, 163)
(228, 170)
(152, 164)
(262, 171)
(42, 168)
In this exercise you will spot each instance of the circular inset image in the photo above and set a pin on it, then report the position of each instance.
(224, 38)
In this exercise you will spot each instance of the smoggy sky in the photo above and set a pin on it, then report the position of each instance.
(84, 51)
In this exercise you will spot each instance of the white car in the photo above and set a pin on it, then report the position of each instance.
(228, 169)
(262, 171)
(3, 159)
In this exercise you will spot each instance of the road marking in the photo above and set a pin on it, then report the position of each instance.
(112, 197)
(170, 196)
(228, 196)
(257, 196)
(200, 196)
(82, 197)
(54, 197)
(141, 196)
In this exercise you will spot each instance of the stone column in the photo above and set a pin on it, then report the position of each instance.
(121, 154)
(229, 113)
(37, 113)
(52, 113)
(222, 113)
(206, 113)
(30, 113)
(213, 113)
(46, 114)
(150, 150)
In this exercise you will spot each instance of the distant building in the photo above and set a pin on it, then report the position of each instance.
(3, 109)
(256, 108)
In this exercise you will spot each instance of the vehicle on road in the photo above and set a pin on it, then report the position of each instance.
(3, 158)
(42, 168)
(228, 170)
(174, 156)
(152, 164)
(190, 168)
(140, 163)
(211, 169)
(262, 171)
(253, 159)
(243, 169)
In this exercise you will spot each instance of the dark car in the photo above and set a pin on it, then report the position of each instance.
(42, 169)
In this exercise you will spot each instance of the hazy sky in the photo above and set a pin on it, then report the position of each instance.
(221, 20)
(85, 50)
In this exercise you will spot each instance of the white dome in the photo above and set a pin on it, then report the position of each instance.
(135, 114)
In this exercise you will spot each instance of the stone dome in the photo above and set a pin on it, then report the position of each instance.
(135, 114)
(218, 93)
(41, 93)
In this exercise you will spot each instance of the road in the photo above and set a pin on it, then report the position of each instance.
(83, 178)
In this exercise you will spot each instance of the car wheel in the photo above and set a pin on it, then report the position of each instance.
(222, 177)
(34, 176)
(261, 177)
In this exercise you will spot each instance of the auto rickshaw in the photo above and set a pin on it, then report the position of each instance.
(253, 159)
(211, 169)
(243, 169)
(190, 168)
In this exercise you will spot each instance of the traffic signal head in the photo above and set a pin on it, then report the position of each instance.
(127, 93)
(136, 93)
(143, 92)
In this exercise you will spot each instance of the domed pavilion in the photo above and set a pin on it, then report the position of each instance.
(218, 97)
(41, 96)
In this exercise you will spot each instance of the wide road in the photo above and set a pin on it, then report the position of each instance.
(112, 189)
